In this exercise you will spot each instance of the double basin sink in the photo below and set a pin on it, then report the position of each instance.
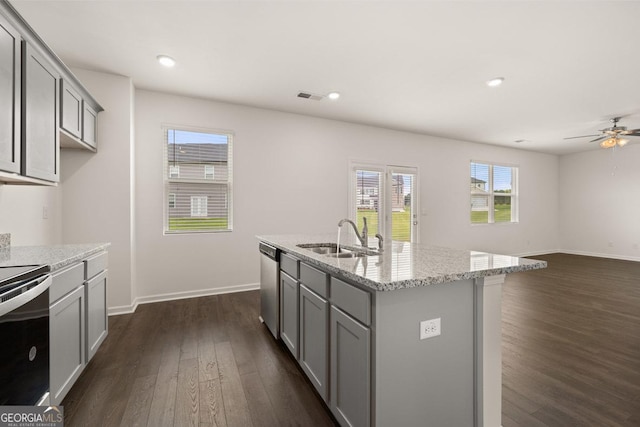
(331, 250)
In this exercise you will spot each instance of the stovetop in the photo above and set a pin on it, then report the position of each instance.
(10, 275)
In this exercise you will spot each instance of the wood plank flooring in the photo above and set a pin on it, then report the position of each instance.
(571, 357)
(571, 344)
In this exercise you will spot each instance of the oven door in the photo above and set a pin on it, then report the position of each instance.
(24, 334)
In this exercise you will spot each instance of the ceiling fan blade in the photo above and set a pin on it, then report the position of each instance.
(631, 132)
(583, 136)
(600, 138)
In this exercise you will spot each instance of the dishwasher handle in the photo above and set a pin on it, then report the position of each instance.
(270, 251)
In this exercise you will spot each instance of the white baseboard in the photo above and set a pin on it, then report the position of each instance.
(535, 253)
(598, 255)
(114, 311)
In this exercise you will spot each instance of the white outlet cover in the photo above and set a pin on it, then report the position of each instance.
(430, 328)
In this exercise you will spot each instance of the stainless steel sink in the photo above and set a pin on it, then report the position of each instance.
(331, 249)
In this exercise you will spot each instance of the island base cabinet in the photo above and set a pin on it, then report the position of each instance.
(97, 323)
(314, 321)
(350, 347)
(289, 313)
(67, 335)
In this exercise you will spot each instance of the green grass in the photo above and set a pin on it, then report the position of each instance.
(502, 214)
(192, 224)
(401, 223)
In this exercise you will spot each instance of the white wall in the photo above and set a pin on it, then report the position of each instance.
(21, 214)
(600, 203)
(291, 176)
(97, 188)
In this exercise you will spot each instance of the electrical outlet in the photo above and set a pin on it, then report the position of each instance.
(610, 244)
(429, 328)
(45, 212)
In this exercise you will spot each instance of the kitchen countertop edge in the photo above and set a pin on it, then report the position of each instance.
(54, 256)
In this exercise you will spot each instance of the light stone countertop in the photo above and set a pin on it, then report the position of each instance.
(403, 265)
(55, 256)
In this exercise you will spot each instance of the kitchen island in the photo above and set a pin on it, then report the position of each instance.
(407, 336)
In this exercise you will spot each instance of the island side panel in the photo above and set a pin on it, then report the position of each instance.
(424, 382)
(488, 297)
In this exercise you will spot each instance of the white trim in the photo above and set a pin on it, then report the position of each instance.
(124, 309)
(599, 255)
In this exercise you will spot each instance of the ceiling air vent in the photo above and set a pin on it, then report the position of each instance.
(307, 95)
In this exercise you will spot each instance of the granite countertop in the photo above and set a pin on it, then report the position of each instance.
(401, 264)
(55, 256)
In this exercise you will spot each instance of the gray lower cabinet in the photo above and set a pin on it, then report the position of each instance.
(66, 342)
(97, 322)
(40, 143)
(10, 82)
(350, 347)
(314, 345)
(289, 312)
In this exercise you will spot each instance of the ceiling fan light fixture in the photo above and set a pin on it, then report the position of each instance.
(622, 142)
(608, 143)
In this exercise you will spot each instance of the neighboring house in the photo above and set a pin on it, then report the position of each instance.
(191, 166)
(367, 192)
(479, 195)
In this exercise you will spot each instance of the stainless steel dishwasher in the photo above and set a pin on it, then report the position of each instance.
(269, 288)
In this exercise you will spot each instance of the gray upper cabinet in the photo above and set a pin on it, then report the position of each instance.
(70, 109)
(40, 144)
(89, 125)
(10, 80)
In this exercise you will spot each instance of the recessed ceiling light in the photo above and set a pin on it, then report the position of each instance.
(495, 82)
(166, 61)
(333, 95)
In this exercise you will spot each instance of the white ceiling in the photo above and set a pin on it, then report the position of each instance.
(419, 66)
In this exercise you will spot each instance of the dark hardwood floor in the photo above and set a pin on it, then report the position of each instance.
(571, 357)
(571, 344)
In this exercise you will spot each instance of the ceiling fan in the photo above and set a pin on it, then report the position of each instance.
(612, 136)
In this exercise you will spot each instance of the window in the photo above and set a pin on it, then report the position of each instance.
(198, 180)
(387, 197)
(493, 192)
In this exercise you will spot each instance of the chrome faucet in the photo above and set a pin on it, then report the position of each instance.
(379, 237)
(364, 237)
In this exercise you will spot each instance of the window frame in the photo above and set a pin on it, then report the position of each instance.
(492, 194)
(225, 183)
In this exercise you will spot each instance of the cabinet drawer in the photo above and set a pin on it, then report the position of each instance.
(352, 300)
(313, 279)
(65, 281)
(95, 264)
(289, 265)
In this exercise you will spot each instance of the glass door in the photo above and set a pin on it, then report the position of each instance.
(403, 198)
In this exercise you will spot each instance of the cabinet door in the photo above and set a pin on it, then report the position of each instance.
(289, 312)
(314, 345)
(66, 329)
(97, 323)
(71, 110)
(40, 147)
(10, 78)
(350, 397)
(90, 126)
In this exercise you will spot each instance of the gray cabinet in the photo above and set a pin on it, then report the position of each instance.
(289, 312)
(67, 334)
(10, 82)
(40, 144)
(97, 323)
(89, 125)
(350, 346)
(314, 345)
(70, 109)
